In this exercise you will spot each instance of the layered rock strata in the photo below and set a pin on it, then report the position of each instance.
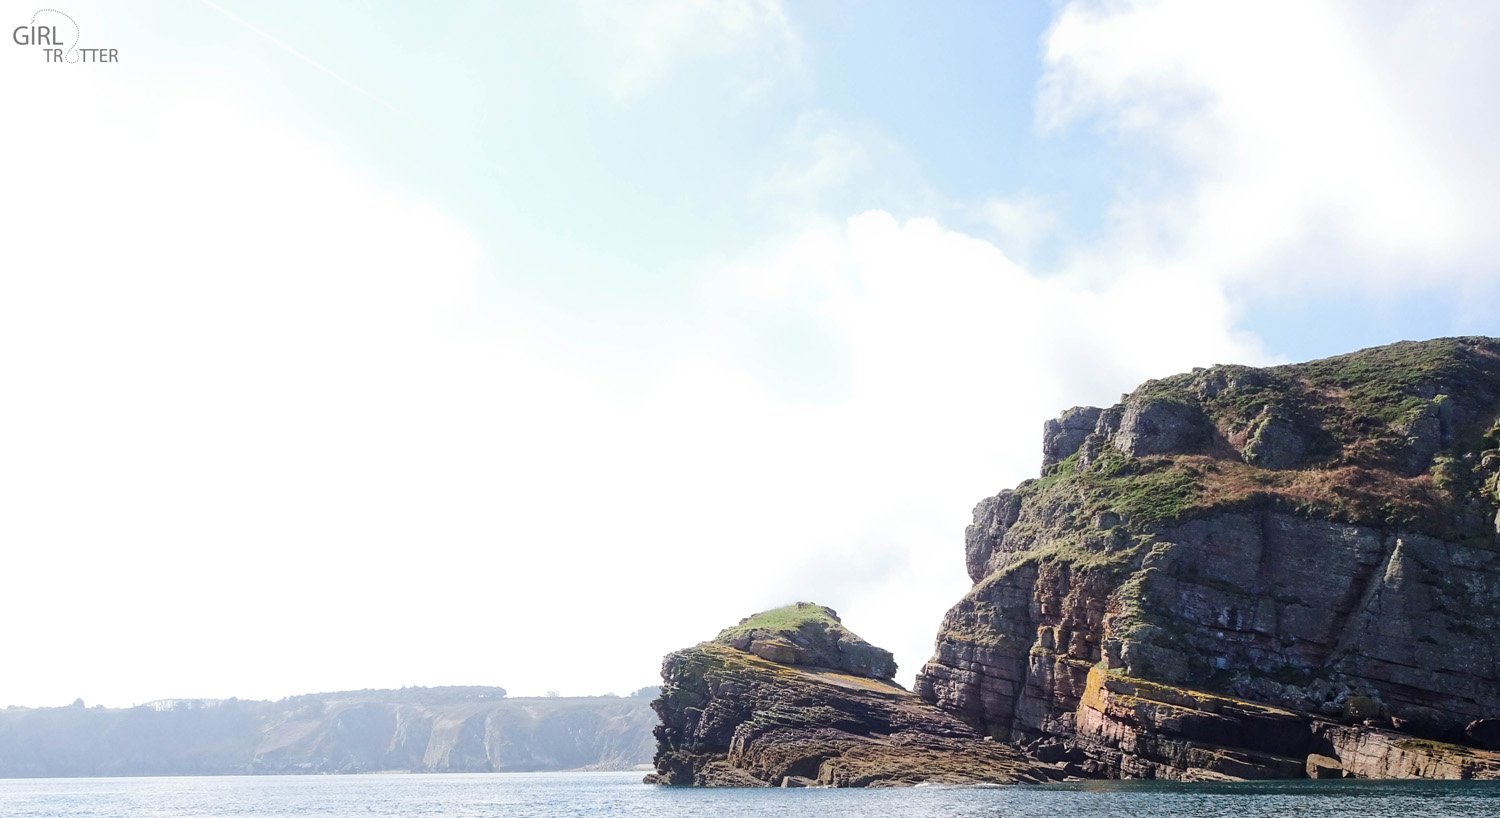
(733, 713)
(1248, 573)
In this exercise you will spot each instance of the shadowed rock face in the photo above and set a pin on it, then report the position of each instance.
(1236, 570)
(732, 715)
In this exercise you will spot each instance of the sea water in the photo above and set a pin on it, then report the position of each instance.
(555, 795)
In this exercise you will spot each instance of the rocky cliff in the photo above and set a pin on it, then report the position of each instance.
(468, 729)
(791, 697)
(1249, 573)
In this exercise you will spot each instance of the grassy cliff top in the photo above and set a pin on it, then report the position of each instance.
(805, 633)
(787, 619)
(1357, 408)
(1403, 436)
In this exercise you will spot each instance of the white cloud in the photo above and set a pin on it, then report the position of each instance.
(819, 156)
(1021, 222)
(1288, 136)
(645, 41)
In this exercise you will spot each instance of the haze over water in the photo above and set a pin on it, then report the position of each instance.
(621, 795)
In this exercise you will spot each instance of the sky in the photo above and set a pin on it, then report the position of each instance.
(370, 344)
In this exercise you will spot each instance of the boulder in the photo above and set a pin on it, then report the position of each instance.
(1157, 426)
(1320, 766)
(1275, 441)
(1063, 436)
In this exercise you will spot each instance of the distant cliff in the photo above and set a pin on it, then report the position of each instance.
(460, 729)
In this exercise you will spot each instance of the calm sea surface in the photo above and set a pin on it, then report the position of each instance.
(549, 795)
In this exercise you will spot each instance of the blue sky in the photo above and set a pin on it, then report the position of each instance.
(369, 344)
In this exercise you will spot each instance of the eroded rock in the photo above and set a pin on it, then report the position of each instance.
(733, 718)
(1321, 766)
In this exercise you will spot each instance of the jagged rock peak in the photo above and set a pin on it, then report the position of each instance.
(805, 633)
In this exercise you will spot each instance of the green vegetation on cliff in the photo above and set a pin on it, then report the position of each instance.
(807, 634)
(797, 617)
(1397, 436)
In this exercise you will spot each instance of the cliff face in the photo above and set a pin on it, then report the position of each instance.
(508, 735)
(751, 709)
(1249, 573)
(416, 729)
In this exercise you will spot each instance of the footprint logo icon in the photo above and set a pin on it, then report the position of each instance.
(49, 17)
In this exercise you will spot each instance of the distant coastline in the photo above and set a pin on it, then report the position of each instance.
(406, 730)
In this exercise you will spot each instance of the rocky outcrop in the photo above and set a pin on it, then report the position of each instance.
(1248, 573)
(808, 634)
(1372, 752)
(1155, 426)
(1063, 436)
(736, 715)
(413, 729)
